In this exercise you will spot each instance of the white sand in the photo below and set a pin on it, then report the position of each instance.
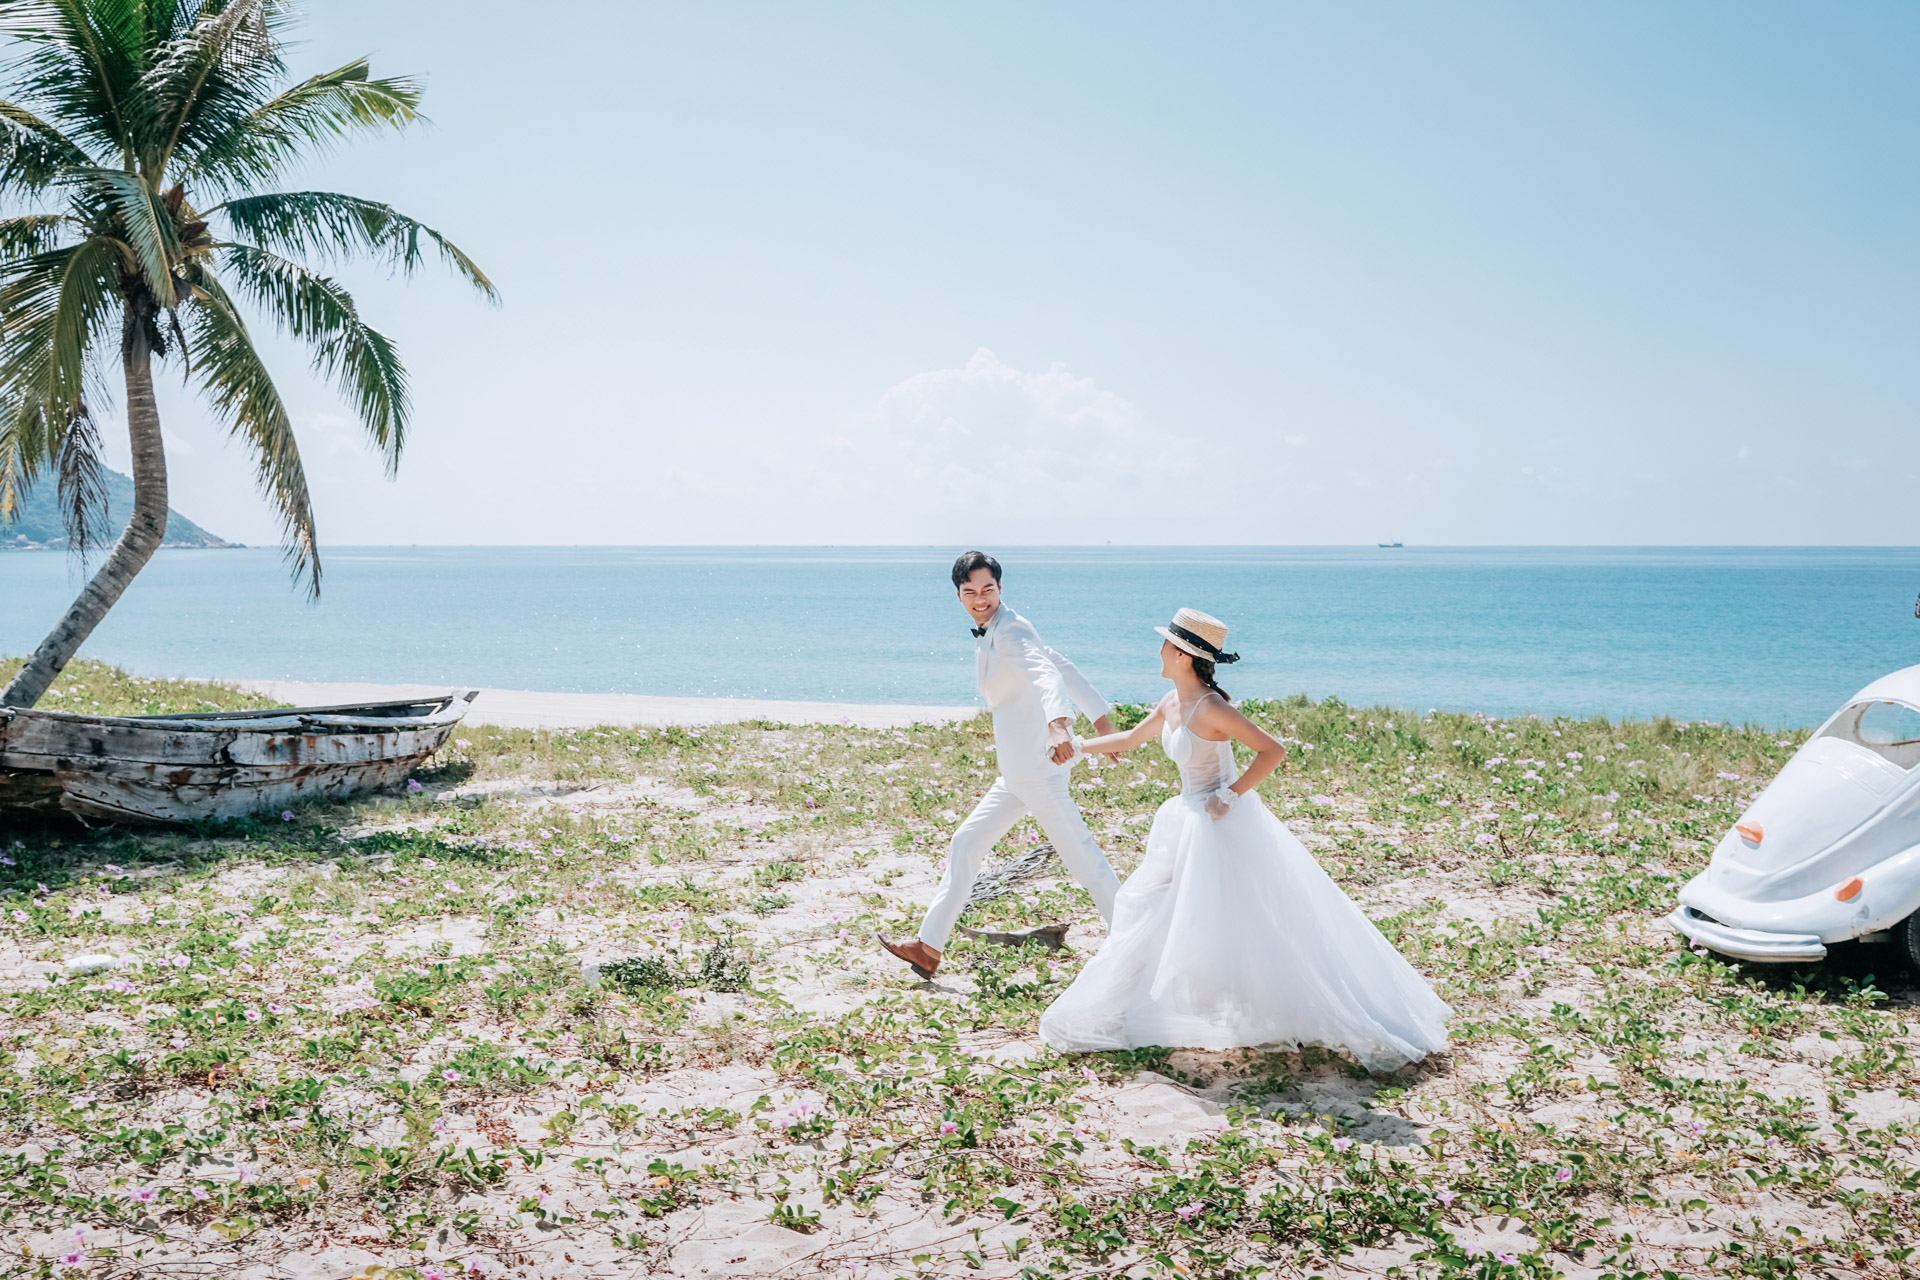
(523, 709)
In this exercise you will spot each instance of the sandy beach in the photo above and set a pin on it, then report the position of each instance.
(608, 998)
(526, 709)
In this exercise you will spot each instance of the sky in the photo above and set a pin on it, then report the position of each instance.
(1457, 273)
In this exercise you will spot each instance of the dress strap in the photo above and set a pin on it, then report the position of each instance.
(1186, 713)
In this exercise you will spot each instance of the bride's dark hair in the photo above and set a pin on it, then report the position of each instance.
(1203, 667)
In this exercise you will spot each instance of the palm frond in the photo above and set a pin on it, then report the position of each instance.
(148, 224)
(83, 479)
(33, 152)
(329, 225)
(61, 305)
(312, 115)
(316, 310)
(32, 233)
(82, 64)
(228, 367)
(214, 73)
(17, 470)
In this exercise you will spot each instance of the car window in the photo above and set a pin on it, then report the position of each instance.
(1889, 729)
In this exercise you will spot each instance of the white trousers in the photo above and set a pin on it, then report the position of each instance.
(1005, 803)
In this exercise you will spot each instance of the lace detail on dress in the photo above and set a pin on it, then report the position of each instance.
(1205, 766)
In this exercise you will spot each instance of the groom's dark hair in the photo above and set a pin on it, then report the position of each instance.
(963, 567)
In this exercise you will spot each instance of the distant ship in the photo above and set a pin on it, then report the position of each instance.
(1393, 544)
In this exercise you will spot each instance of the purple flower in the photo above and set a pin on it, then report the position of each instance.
(145, 1195)
(21, 916)
(1507, 1258)
(286, 815)
(179, 961)
(1341, 1144)
(1563, 1174)
(450, 1075)
(73, 1259)
(1444, 1196)
(948, 1126)
(1188, 1212)
(413, 784)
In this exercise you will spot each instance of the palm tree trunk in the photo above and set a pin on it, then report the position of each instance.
(141, 538)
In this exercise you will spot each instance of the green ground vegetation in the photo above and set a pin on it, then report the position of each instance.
(97, 689)
(371, 1020)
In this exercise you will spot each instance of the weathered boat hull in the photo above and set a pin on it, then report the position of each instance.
(226, 765)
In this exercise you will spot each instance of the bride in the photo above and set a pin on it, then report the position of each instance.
(1230, 934)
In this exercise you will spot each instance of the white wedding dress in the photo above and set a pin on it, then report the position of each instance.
(1230, 935)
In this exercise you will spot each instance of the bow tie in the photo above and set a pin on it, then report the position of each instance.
(978, 631)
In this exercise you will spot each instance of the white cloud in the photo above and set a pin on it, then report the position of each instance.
(1031, 454)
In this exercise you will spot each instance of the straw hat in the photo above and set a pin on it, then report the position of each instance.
(1200, 634)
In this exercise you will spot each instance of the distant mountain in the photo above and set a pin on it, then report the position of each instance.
(37, 523)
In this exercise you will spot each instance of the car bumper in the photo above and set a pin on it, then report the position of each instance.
(1746, 944)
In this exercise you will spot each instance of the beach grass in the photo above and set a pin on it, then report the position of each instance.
(366, 1028)
(99, 689)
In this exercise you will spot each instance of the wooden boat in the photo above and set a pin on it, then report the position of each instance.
(227, 764)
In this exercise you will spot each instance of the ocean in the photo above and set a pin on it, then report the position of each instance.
(1775, 636)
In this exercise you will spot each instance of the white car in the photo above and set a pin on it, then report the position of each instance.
(1830, 851)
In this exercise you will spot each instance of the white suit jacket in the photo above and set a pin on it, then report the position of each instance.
(1026, 686)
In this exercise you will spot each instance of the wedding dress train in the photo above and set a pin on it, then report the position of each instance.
(1229, 934)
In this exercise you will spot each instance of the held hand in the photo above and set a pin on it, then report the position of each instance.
(1059, 742)
(1220, 802)
(1102, 727)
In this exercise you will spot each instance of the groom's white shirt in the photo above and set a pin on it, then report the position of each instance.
(1026, 686)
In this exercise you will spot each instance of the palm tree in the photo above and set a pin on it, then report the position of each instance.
(145, 137)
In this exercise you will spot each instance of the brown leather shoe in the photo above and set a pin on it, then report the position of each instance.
(920, 957)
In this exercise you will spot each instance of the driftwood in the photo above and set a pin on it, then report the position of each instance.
(994, 881)
(1050, 936)
(182, 768)
(997, 881)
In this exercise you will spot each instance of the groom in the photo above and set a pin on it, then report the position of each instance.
(1031, 691)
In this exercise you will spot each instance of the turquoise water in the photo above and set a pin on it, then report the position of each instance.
(1775, 635)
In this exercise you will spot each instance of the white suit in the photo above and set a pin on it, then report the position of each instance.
(1026, 686)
